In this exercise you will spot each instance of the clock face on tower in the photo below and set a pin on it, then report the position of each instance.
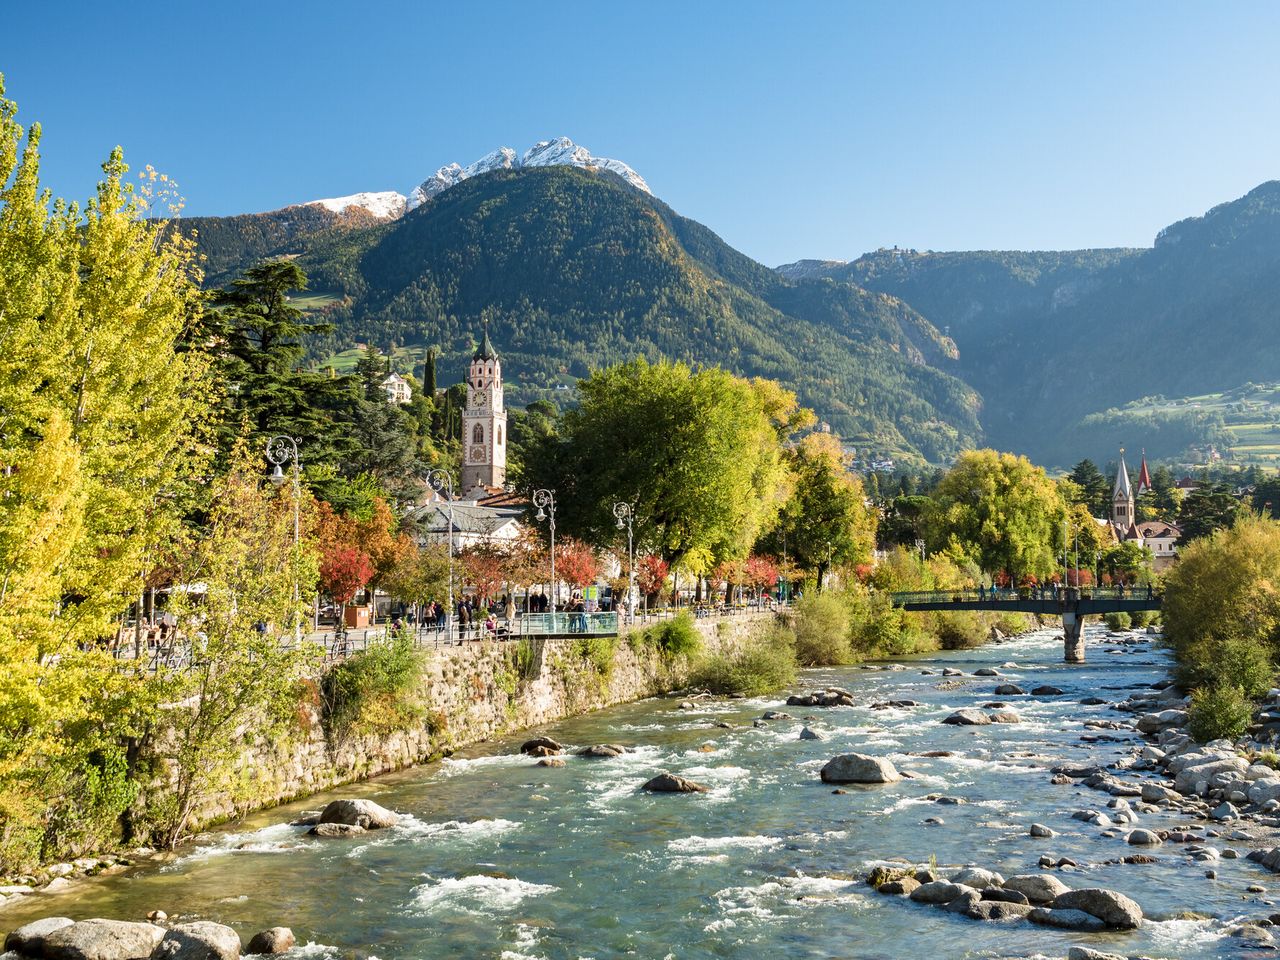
(477, 453)
(480, 399)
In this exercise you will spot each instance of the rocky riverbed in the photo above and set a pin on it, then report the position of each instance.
(987, 803)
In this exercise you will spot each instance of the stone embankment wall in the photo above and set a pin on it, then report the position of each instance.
(468, 695)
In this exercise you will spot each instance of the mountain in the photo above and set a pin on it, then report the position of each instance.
(574, 266)
(1055, 341)
(560, 152)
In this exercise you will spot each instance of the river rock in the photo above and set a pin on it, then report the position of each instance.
(102, 940)
(1159, 793)
(359, 813)
(541, 746)
(1036, 887)
(29, 939)
(1066, 919)
(977, 877)
(1114, 909)
(902, 886)
(859, 768)
(1004, 716)
(275, 940)
(776, 715)
(952, 672)
(551, 762)
(968, 718)
(1143, 838)
(940, 891)
(1041, 831)
(1009, 690)
(603, 750)
(986, 672)
(670, 783)
(1155, 722)
(1084, 953)
(332, 831)
(965, 904)
(807, 734)
(1047, 691)
(199, 940)
(1004, 896)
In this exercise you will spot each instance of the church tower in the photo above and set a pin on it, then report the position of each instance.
(484, 425)
(1122, 515)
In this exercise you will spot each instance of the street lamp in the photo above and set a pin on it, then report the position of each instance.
(626, 515)
(440, 480)
(545, 501)
(282, 449)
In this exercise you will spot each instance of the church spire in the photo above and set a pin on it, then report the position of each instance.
(1144, 476)
(485, 351)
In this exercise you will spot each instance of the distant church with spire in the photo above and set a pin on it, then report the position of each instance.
(1158, 536)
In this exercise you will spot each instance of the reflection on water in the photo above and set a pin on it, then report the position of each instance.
(499, 858)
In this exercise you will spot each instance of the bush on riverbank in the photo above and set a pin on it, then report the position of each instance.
(373, 691)
(675, 638)
(1221, 609)
(1220, 710)
(1118, 622)
(821, 623)
(767, 665)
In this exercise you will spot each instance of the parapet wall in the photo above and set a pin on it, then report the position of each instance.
(468, 694)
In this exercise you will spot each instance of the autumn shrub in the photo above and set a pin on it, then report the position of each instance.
(959, 631)
(677, 637)
(1139, 619)
(1118, 622)
(1011, 624)
(597, 651)
(372, 691)
(821, 623)
(763, 667)
(1217, 711)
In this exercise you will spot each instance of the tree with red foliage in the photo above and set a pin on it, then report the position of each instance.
(651, 574)
(483, 568)
(761, 572)
(576, 563)
(344, 570)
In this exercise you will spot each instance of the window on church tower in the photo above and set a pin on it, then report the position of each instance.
(499, 434)
(477, 435)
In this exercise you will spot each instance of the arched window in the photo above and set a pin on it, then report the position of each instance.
(477, 435)
(499, 434)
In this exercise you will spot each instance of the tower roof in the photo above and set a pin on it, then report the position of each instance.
(485, 351)
(1144, 476)
(1122, 490)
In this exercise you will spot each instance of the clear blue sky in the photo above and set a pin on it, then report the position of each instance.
(793, 130)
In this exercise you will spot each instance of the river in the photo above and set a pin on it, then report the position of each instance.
(500, 858)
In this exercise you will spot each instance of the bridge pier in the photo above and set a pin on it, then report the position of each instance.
(1072, 636)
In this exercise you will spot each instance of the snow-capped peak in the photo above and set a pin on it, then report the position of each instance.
(545, 153)
(388, 204)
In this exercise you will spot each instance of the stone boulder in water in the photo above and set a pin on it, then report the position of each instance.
(968, 718)
(102, 940)
(1114, 909)
(859, 768)
(359, 813)
(199, 940)
(275, 940)
(29, 939)
(603, 751)
(541, 747)
(670, 783)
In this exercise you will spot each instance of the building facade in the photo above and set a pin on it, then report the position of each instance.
(1158, 536)
(484, 426)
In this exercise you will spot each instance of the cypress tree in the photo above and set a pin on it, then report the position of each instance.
(429, 374)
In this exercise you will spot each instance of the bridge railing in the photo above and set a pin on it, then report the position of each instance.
(996, 594)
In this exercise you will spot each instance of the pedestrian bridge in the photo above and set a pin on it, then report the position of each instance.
(1071, 605)
(568, 625)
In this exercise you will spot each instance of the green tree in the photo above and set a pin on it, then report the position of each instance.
(245, 671)
(383, 435)
(1209, 507)
(1095, 488)
(1128, 562)
(260, 339)
(698, 453)
(1000, 511)
(1221, 607)
(826, 520)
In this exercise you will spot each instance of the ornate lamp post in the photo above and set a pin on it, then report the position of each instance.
(626, 515)
(282, 449)
(440, 481)
(545, 501)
